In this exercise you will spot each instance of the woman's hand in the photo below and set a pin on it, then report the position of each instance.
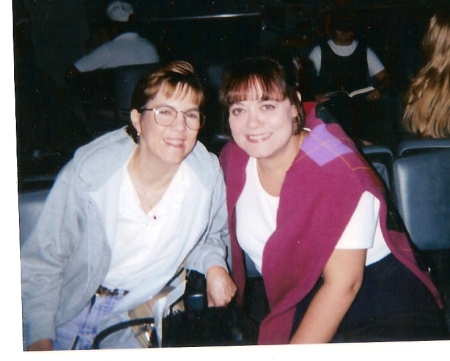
(41, 345)
(220, 287)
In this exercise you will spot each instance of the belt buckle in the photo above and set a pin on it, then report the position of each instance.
(102, 291)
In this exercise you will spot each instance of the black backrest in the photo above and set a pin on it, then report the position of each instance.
(419, 145)
(421, 182)
(381, 158)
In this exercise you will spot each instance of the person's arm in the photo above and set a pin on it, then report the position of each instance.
(43, 259)
(220, 287)
(382, 85)
(41, 345)
(315, 56)
(210, 257)
(97, 59)
(343, 275)
(379, 74)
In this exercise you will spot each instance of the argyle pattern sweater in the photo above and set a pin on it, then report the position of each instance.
(318, 197)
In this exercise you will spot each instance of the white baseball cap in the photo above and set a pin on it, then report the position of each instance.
(119, 11)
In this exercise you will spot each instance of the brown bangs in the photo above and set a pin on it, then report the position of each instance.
(252, 87)
(181, 91)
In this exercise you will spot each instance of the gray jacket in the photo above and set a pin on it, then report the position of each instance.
(67, 255)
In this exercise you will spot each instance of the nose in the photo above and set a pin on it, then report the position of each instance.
(179, 123)
(253, 119)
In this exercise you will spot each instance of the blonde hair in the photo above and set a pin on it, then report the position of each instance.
(427, 111)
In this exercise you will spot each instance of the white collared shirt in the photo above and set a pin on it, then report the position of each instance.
(146, 245)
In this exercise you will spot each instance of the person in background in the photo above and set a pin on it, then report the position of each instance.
(311, 214)
(344, 63)
(126, 47)
(122, 216)
(58, 31)
(427, 100)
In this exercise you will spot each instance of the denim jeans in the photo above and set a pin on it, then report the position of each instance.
(79, 332)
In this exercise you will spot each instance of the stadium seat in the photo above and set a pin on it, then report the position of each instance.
(421, 183)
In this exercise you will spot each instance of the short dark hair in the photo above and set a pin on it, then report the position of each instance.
(342, 19)
(276, 78)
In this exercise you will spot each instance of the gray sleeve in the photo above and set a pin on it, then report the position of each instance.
(43, 257)
(214, 248)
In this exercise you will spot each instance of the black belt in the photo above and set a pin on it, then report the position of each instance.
(103, 292)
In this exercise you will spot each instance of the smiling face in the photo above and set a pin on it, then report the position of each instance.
(263, 126)
(165, 145)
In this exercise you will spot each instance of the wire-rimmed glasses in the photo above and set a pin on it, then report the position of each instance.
(166, 115)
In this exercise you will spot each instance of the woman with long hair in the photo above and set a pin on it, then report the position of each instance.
(427, 101)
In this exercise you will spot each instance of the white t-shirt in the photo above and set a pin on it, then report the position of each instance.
(126, 49)
(143, 245)
(256, 220)
(374, 64)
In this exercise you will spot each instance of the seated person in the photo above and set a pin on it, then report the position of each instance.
(343, 63)
(122, 216)
(126, 47)
(313, 217)
(427, 112)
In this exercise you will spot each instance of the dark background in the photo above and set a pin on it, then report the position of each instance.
(49, 36)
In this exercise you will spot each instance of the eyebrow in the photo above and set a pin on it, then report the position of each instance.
(261, 100)
(168, 105)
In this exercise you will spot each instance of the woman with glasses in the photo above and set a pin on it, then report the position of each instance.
(123, 215)
(312, 215)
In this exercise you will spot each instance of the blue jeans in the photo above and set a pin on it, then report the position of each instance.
(79, 332)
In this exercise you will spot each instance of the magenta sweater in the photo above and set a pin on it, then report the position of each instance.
(320, 193)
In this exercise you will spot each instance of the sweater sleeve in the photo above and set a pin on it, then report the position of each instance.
(214, 250)
(43, 258)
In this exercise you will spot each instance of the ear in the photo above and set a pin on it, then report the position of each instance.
(135, 117)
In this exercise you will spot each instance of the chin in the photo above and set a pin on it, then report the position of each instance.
(257, 153)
